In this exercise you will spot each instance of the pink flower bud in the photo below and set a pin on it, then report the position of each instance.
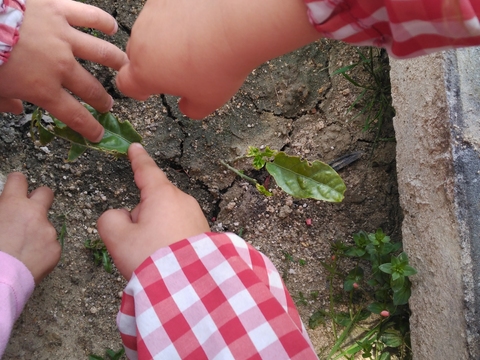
(385, 313)
(308, 222)
(355, 285)
(333, 257)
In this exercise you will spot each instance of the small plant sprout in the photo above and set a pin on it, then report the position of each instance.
(295, 176)
(109, 355)
(116, 140)
(100, 254)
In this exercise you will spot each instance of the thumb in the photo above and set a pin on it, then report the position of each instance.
(127, 84)
(113, 226)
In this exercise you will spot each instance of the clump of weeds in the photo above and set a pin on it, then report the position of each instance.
(374, 101)
(377, 288)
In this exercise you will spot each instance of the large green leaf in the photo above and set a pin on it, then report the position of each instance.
(303, 180)
(116, 140)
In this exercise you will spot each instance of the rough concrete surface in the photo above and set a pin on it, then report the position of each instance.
(437, 166)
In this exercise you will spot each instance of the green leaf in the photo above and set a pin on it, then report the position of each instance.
(392, 338)
(408, 270)
(385, 356)
(302, 180)
(403, 257)
(258, 162)
(401, 297)
(344, 69)
(398, 284)
(317, 318)
(262, 190)
(115, 355)
(76, 150)
(355, 252)
(386, 268)
(116, 140)
(45, 136)
(376, 307)
(94, 357)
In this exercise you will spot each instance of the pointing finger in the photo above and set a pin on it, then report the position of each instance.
(69, 111)
(84, 15)
(16, 185)
(42, 195)
(147, 173)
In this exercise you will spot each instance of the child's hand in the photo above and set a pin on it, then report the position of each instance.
(25, 232)
(164, 216)
(203, 50)
(42, 64)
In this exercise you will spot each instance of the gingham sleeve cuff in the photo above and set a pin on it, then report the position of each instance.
(11, 16)
(210, 296)
(405, 28)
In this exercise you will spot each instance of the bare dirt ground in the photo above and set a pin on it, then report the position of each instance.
(291, 103)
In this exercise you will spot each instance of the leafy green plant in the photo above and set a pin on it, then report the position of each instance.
(374, 100)
(382, 289)
(116, 140)
(109, 355)
(100, 253)
(295, 176)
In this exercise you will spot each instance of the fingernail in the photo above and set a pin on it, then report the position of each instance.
(110, 107)
(115, 28)
(138, 145)
(100, 137)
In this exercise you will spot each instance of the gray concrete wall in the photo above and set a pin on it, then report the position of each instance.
(437, 100)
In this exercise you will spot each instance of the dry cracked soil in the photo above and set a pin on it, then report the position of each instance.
(292, 103)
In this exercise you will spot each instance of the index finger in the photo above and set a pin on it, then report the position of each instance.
(16, 185)
(69, 111)
(147, 173)
(43, 196)
(84, 15)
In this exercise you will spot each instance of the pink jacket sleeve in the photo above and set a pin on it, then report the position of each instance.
(11, 16)
(210, 296)
(405, 28)
(16, 286)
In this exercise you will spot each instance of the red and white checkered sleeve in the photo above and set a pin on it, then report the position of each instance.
(11, 16)
(212, 296)
(406, 28)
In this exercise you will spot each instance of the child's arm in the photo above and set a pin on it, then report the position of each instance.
(203, 50)
(42, 64)
(29, 249)
(194, 294)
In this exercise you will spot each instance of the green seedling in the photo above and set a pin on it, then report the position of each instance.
(116, 140)
(382, 288)
(295, 176)
(109, 355)
(100, 254)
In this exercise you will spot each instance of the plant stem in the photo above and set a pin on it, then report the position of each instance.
(239, 173)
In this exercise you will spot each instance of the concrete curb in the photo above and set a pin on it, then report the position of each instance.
(437, 100)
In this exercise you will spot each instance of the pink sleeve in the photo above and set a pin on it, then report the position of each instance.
(406, 28)
(11, 16)
(210, 296)
(16, 286)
